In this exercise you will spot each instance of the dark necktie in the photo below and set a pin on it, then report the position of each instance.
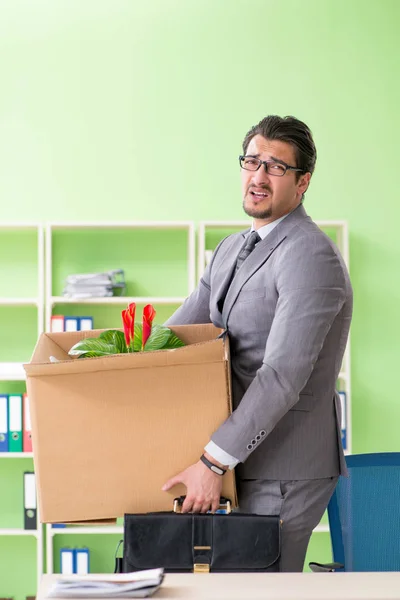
(243, 254)
(247, 249)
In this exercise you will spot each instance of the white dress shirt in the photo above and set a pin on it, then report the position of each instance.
(215, 451)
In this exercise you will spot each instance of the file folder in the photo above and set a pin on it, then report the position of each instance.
(343, 425)
(30, 509)
(27, 435)
(57, 323)
(71, 324)
(82, 561)
(15, 423)
(67, 561)
(3, 423)
(85, 323)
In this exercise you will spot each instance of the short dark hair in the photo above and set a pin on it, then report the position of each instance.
(290, 130)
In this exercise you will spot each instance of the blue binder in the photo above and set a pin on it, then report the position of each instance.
(85, 323)
(343, 426)
(3, 423)
(67, 561)
(82, 561)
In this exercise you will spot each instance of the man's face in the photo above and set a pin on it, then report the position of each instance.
(267, 197)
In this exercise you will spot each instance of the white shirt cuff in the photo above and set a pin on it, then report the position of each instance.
(220, 455)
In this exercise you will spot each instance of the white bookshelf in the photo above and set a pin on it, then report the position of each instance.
(51, 532)
(52, 228)
(16, 454)
(342, 240)
(14, 371)
(119, 300)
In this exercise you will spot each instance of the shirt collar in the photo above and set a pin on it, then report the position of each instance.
(266, 229)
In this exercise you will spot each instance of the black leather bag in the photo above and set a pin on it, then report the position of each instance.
(217, 543)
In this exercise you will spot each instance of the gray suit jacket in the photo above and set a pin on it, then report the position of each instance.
(287, 313)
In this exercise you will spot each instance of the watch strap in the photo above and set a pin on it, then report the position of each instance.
(211, 466)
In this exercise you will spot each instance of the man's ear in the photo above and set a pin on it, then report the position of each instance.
(303, 183)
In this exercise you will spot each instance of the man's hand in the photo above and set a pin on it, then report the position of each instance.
(203, 488)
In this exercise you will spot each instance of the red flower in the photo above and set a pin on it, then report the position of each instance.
(128, 318)
(148, 316)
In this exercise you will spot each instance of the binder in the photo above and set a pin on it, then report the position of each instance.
(343, 425)
(57, 323)
(67, 561)
(71, 323)
(85, 323)
(3, 423)
(15, 423)
(27, 427)
(82, 561)
(30, 509)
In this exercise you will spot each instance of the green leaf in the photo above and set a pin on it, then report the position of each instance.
(158, 337)
(137, 340)
(115, 338)
(173, 342)
(92, 347)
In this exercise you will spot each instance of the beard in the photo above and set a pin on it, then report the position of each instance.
(257, 213)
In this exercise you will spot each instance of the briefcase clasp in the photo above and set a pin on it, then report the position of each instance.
(201, 568)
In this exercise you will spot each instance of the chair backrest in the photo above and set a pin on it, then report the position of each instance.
(364, 514)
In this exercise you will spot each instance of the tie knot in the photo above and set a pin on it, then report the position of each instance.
(252, 240)
(247, 249)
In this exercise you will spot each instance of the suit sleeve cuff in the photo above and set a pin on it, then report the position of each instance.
(220, 455)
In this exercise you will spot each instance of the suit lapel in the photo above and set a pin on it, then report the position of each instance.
(257, 258)
(225, 271)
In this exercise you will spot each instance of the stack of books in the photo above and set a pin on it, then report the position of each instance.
(95, 285)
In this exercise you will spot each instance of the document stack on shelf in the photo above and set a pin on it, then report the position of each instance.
(140, 584)
(95, 285)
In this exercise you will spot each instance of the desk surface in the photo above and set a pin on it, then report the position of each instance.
(270, 586)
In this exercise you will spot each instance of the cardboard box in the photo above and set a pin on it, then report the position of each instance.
(108, 432)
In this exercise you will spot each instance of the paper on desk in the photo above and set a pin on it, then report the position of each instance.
(140, 584)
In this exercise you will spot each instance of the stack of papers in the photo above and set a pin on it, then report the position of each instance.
(95, 285)
(140, 584)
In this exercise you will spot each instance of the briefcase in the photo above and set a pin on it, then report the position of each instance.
(224, 542)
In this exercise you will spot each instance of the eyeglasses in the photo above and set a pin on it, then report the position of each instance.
(251, 163)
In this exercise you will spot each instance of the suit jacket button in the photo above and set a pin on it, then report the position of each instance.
(253, 442)
(249, 447)
(262, 432)
(258, 437)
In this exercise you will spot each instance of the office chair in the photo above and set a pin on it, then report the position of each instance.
(364, 515)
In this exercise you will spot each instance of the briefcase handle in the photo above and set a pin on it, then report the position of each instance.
(224, 504)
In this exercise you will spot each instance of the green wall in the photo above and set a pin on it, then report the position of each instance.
(122, 109)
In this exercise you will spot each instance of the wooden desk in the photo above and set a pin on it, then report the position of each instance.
(271, 586)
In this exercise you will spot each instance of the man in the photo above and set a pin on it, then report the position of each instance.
(286, 304)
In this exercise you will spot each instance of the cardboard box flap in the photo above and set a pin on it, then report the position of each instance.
(210, 350)
(47, 345)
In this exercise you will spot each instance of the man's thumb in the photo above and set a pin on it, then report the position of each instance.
(171, 482)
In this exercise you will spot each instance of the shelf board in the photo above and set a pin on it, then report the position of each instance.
(12, 371)
(321, 529)
(16, 454)
(124, 225)
(118, 300)
(33, 532)
(103, 529)
(19, 302)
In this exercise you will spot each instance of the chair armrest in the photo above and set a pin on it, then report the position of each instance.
(325, 568)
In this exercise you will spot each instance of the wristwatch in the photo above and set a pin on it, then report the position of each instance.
(210, 465)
